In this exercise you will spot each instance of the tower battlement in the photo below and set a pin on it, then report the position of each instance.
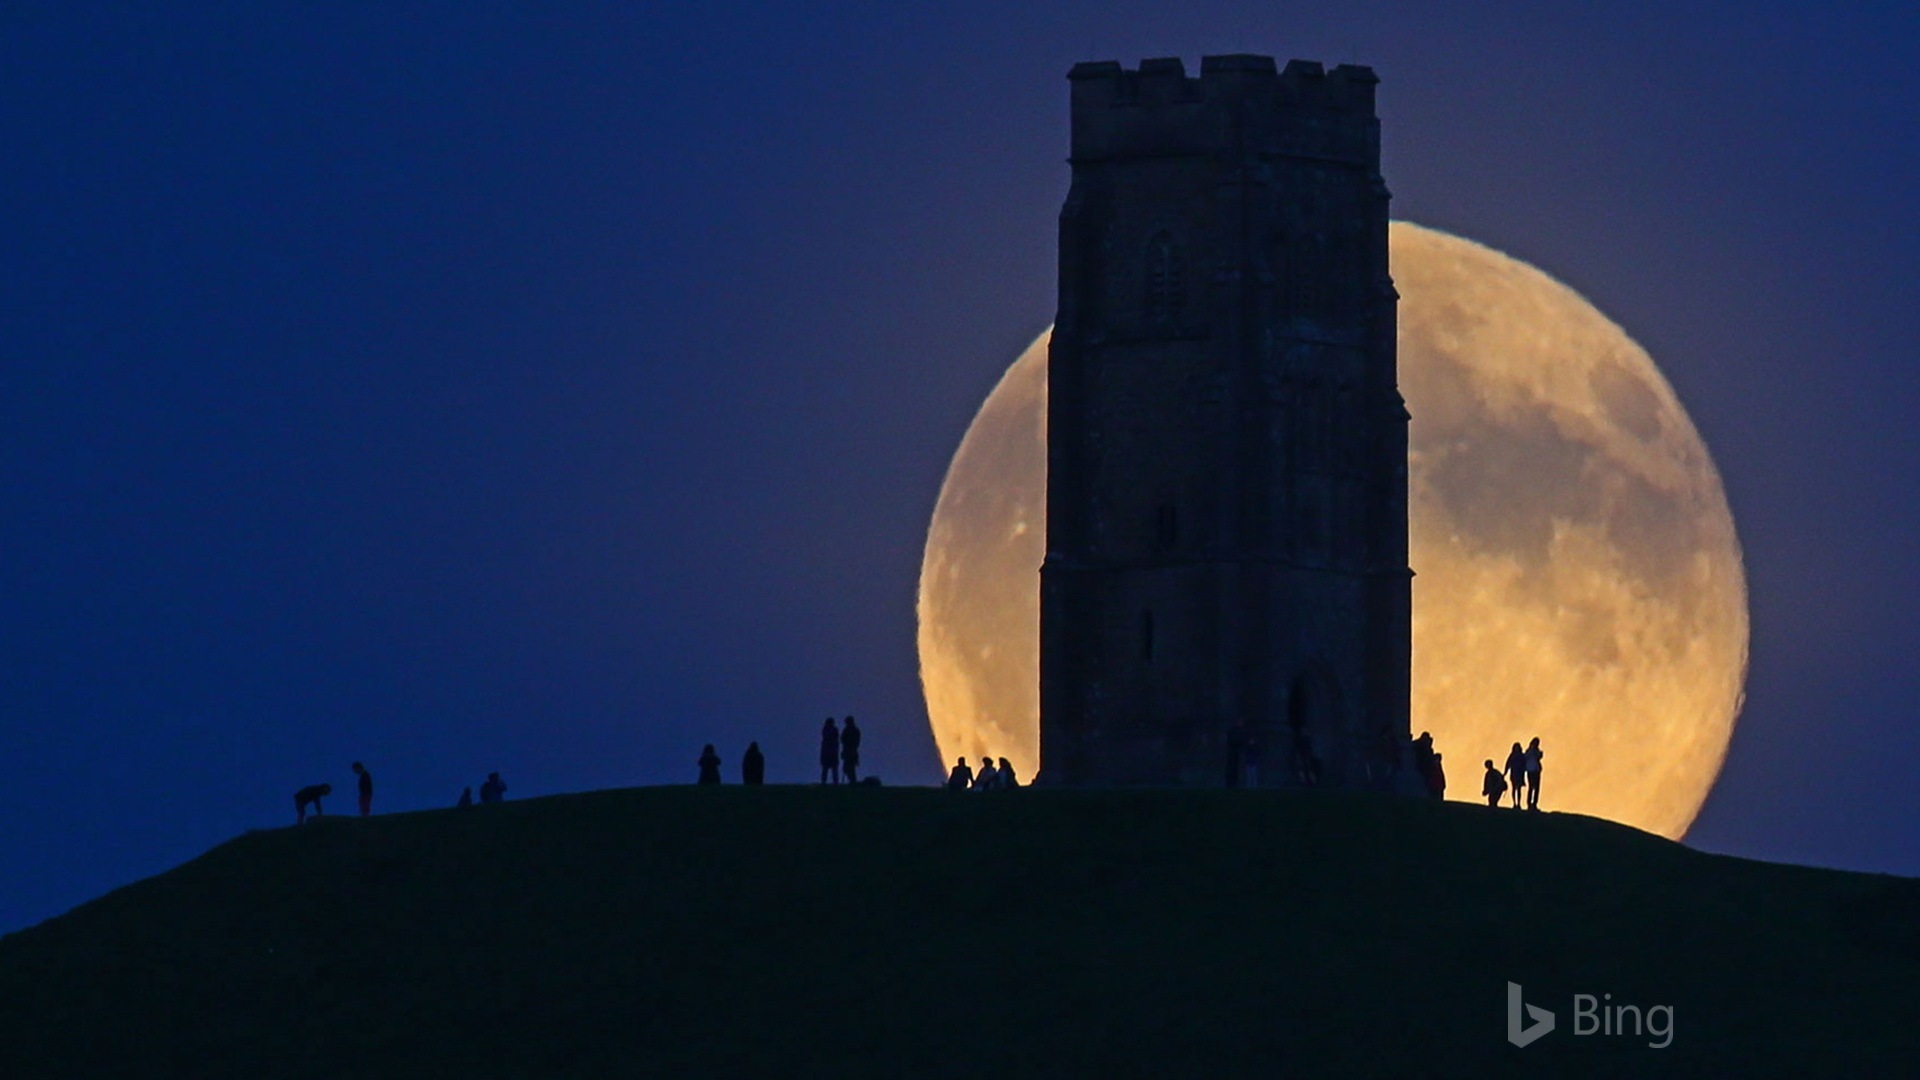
(1348, 87)
(1237, 101)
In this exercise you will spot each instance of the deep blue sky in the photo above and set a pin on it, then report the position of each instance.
(467, 388)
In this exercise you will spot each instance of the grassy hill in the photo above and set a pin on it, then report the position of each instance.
(686, 932)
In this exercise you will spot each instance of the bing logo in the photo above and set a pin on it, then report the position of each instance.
(1591, 1016)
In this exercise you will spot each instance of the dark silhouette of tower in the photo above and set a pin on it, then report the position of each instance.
(1226, 596)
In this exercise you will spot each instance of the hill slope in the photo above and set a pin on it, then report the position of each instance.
(883, 932)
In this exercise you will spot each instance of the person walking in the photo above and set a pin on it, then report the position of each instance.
(1517, 772)
(1492, 786)
(850, 751)
(753, 766)
(709, 766)
(829, 752)
(1533, 756)
(366, 788)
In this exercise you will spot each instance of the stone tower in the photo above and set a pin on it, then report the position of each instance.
(1226, 594)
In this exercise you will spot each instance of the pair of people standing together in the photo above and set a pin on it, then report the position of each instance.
(839, 752)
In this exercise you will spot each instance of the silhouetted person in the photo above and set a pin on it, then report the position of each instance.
(1005, 773)
(366, 788)
(829, 752)
(1517, 772)
(1422, 756)
(309, 796)
(1532, 757)
(494, 790)
(961, 778)
(1423, 747)
(709, 766)
(850, 751)
(1492, 786)
(466, 798)
(1236, 753)
(987, 777)
(753, 767)
(1437, 781)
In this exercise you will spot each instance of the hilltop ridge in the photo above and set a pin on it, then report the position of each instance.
(800, 931)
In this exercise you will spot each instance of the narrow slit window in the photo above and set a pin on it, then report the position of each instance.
(1166, 280)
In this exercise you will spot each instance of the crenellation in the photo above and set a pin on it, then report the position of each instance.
(1303, 73)
(1090, 70)
(1229, 63)
(1160, 110)
(1161, 69)
(1347, 87)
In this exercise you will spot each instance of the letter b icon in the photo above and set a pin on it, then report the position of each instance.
(1518, 1033)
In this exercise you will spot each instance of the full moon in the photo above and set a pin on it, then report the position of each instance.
(1577, 573)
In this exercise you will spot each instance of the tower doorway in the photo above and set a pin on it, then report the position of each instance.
(1313, 736)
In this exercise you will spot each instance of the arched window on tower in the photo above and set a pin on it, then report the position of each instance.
(1166, 280)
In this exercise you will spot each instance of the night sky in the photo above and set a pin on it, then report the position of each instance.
(478, 387)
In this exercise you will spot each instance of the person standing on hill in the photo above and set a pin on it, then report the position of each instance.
(1425, 764)
(1517, 772)
(829, 752)
(1437, 778)
(709, 766)
(1493, 787)
(753, 766)
(309, 796)
(961, 778)
(1533, 756)
(850, 751)
(1007, 780)
(366, 788)
(494, 790)
(466, 798)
